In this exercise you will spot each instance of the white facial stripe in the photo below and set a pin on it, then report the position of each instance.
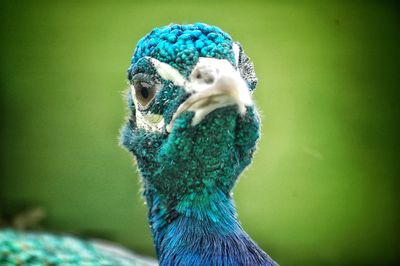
(236, 51)
(167, 72)
(149, 122)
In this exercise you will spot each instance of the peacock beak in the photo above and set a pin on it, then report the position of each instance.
(213, 84)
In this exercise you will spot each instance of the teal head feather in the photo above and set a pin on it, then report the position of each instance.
(193, 129)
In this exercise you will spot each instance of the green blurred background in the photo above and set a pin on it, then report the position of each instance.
(323, 188)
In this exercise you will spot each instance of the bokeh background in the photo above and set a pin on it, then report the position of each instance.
(323, 188)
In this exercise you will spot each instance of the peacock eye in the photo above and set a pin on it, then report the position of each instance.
(144, 92)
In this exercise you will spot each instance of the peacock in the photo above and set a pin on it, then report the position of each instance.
(192, 128)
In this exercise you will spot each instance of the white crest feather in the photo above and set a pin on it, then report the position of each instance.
(236, 52)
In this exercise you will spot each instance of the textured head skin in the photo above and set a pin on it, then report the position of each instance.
(189, 162)
(181, 45)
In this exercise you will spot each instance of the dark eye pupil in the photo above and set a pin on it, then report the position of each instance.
(144, 92)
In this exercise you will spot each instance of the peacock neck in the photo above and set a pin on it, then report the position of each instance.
(202, 232)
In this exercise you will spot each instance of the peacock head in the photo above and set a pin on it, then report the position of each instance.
(192, 126)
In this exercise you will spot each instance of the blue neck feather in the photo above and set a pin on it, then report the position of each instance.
(205, 234)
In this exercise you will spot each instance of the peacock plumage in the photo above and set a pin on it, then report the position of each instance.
(43, 249)
(192, 128)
